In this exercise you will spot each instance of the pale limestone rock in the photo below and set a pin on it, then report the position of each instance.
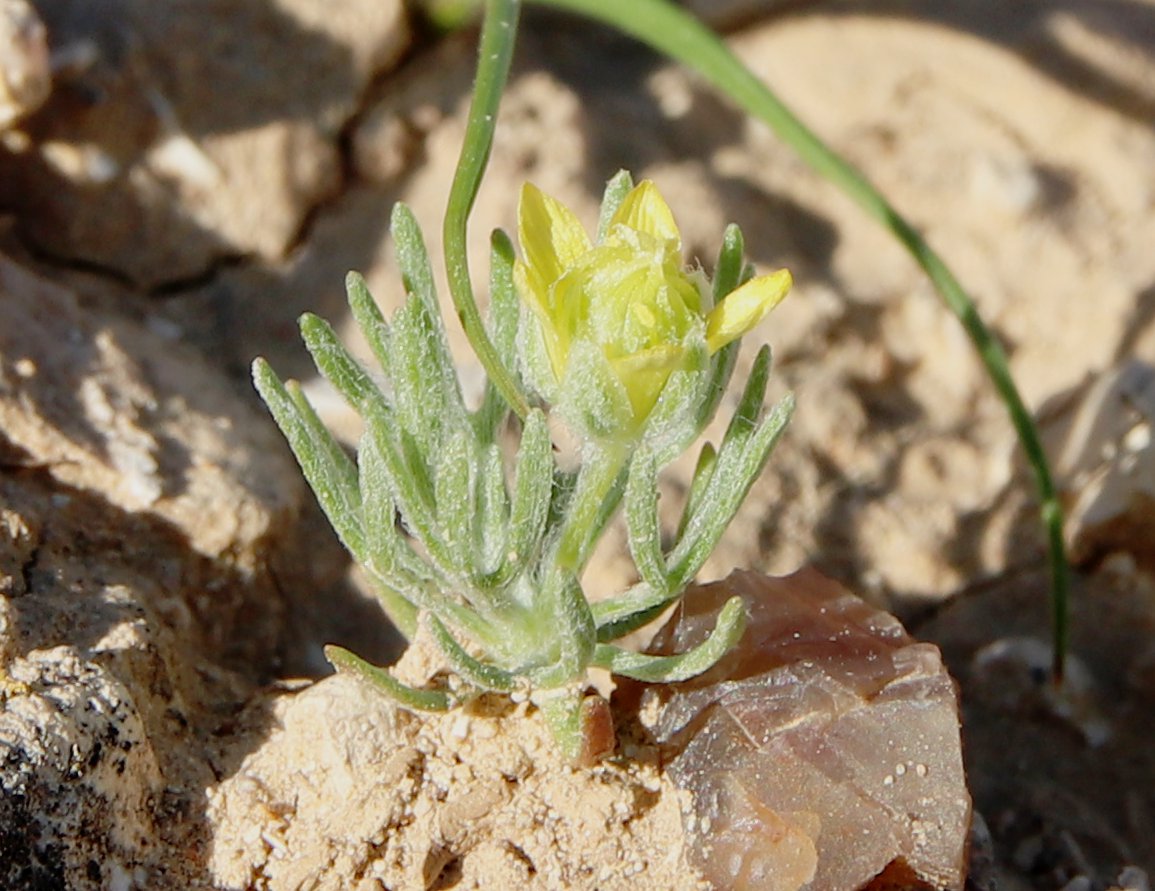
(310, 804)
(25, 75)
(80, 778)
(106, 407)
(1106, 464)
(210, 126)
(823, 751)
(146, 515)
(348, 787)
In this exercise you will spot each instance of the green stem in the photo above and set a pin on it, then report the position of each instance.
(562, 710)
(564, 621)
(498, 35)
(594, 501)
(677, 34)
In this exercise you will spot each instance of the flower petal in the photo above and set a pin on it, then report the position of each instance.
(644, 374)
(536, 298)
(551, 236)
(745, 307)
(645, 210)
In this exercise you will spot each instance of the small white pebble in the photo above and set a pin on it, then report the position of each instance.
(460, 728)
(1137, 438)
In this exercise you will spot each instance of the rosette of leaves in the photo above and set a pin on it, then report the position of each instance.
(484, 551)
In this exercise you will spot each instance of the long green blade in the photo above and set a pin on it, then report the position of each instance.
(494, 55)
(680, 36)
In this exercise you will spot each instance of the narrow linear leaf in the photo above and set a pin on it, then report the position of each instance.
(410, 697)
(735, 473)
(645, 536)
(494, 54)
(468, 668)
(329, 471)
(401, 611)
(453, 495)
(439, 601)
(391, 557)
(672, 669)
(724, 478)
(413, 259)
(339, 470)
(730, 272)
(412, 488)
(765, 437)
(750, 405)
(504, 311)
(425, 384)
(491, 527)
(640, 605)
(722, 365)
(572, 627)
(596, 495)
(578, 633)
(703, 470)
(367, 315)
(504, 306)
(337, 364)
(533, 487)
(429, 585)
(426, 391)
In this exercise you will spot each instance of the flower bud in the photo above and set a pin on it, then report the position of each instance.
(616, 319)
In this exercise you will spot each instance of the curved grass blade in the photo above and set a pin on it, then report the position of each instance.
(677, 34)
(494, 53)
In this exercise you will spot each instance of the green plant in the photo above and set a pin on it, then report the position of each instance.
(677, 34)
(489, 567)
(633, 351)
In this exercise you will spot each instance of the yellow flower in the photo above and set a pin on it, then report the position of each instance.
(629, 294)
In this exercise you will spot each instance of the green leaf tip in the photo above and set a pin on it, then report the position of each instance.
(671, 669)
(380, 679)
